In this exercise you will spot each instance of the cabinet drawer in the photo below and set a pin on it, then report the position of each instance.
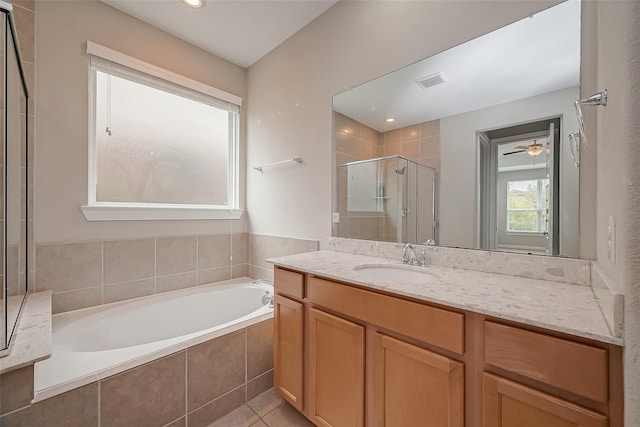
(571, 366)
(442, 328)
(289, 282)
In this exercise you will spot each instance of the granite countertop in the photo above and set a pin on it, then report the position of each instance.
(562, 307)
(32, 340)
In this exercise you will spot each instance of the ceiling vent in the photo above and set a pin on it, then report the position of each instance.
(432, 80)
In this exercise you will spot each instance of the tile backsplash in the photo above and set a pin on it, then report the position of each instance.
(85, 274)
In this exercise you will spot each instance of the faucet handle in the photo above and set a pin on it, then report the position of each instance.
(421, 258)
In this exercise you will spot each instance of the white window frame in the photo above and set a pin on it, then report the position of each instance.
(117, 63)
(539, 211)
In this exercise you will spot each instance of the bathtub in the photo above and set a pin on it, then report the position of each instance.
(94, 343)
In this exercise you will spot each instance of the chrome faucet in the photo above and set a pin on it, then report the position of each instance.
(408, 254)
(267, 298)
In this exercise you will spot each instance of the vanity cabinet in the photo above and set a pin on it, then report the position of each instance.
(288, 350)
(335, 370)
(413, 384)
(350, 356)
(509, 404)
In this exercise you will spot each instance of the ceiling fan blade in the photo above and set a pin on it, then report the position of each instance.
(514, 152)
(522, 147)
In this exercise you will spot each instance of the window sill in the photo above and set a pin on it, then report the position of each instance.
(525, 233)
(159, 213)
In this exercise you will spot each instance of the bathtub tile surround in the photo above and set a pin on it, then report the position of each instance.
(152, 394)
(76, 408)
(214, 368)
(69, 266)
(16, 389)
(218, 408)
(85, 274)
(197, 385)
(179, 254)
(128, 260)
(259, 349)
(263, 246)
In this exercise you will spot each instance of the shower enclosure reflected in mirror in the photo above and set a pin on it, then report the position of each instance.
(14, 180)
(388, 199)
(459, 112)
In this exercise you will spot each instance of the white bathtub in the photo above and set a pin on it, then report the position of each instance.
(97, 342)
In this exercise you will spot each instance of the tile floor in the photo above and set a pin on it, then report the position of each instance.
(265, 410)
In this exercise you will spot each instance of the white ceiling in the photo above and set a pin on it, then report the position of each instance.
(527, 58)
(240, 31)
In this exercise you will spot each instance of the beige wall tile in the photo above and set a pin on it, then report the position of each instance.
(299, 246)
(214, 251)
(258, 250)
(260, 273)
(410, 133)
(68, 266)
(216, 410)
(128, 260)
(16, 389)
(215, 368)
(259, 385)
(430, 146)
(25, 26)
(347, 144)
(27, 4)
(128, 290)
(392, 137)
(278, 246)
(411, 150)
(240, 248)
(214, 275)
(175, 255)
(75, 408)
(75, 300)
(149, 395)
(259, 348)
(175, 282)
(392, 149)
(239, 271)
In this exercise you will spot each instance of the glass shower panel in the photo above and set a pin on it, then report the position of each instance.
(426, 204)
(382, 199)
(411, 206)
(14, 179)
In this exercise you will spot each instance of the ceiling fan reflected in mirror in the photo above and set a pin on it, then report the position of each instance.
(532, 149)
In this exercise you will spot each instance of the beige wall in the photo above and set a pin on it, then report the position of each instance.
(62, 30)
(290, 114)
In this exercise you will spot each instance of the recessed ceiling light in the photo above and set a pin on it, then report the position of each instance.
(390, 120)
(194, 3)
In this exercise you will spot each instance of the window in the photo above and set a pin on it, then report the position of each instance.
(526, 206)
(161, 146)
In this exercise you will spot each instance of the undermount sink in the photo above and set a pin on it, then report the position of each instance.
(396, 273)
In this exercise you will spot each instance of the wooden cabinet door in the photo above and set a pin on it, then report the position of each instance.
(336, 371)
(416, 387)
(509, 404)
(287, 349)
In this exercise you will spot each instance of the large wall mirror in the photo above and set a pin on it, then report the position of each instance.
(14, 186)
(488, 123)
